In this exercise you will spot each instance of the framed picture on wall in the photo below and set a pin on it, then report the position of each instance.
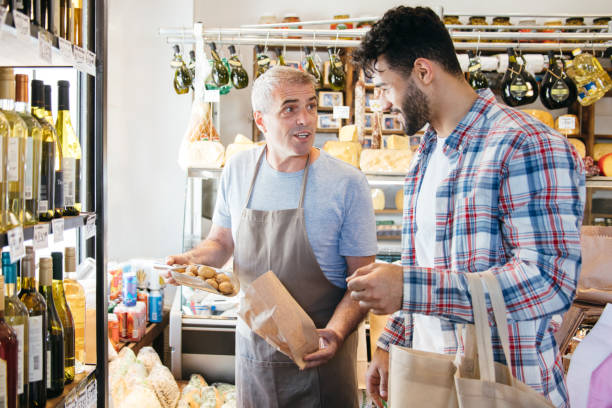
(392, 122)
(330, 99)
(327, 121)
(368, 121)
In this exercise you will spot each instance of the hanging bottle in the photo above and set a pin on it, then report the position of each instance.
(239, 76)
(557, 89)
(584, 73)
(182, 76)
(262, 61)
(192, 66)
(220, 75)
(518, 87)
(336, 76)
(312, 68)
(280, 57)
(476, 78)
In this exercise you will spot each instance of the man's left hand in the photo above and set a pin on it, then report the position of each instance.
(379, 287)
(329, 343)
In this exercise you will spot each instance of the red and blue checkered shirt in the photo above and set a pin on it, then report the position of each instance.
(512, 203)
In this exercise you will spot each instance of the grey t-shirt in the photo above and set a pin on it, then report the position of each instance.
(337, 205)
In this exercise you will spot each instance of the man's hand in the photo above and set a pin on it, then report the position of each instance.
(377, 376)
(379, 287)
(182, 259)
(329, 343)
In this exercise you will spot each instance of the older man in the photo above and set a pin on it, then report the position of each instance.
(292, 209)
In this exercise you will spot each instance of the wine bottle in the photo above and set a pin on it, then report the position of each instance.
(4, 135)
(312, 68)
(336, 76)
(262, 61)
(557, 89)
(16, 315)
(75, 296)
(220, 74)
(65, 19)
(47, 161)
(37, 324)
(182, 75)
(280, 57)
(54, 333)
(476, 78)
(49, 112)
(33, 150)
(71, 152)
(518, 87)
(63, 310)
(9, 354)
(23, 6)
(239, 76)
(12, 210)
(46, 16)
(77, 20)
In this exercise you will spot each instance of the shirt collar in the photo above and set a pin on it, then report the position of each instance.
(459, 137)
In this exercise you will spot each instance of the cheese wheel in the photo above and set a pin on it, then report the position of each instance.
(579, 145)
(378, 199)
(398, 142)
(345, 151)
(601, 149)
(348, 134)
(387, 160)
(541, 115)
(399, 199)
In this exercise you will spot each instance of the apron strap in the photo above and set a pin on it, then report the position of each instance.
(258, 165)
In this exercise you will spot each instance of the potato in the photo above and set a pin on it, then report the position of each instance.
(206, 272)
(189, 273)
(191, 270)
(212, 283)
(226, 287)
(221, 277)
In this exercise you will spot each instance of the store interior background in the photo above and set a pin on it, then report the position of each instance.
(146, 119)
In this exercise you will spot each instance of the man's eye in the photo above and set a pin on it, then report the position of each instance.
(312, 106)
(289, 109)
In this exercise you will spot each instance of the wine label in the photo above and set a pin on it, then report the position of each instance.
(35, 343)
(3, 385)
(234, 63)
(13, 159)
(43, 205)
(20, 331)
(48, 368)
(29, 170)
(474, 67)
(518, 87)
(559, 91)
(69, 166)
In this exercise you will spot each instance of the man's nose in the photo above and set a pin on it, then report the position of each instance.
(385, 104)
(303, 117)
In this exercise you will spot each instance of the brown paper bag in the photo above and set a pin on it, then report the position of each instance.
(595, 281)
(271, 312)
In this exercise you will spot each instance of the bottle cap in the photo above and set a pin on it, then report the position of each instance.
(21, 88)
(38, 93)
(63, 95)
(212, 46)
(70, 254)
(232, 49)
(58, 267)
(470, 53)
(177, 49)
(46, 265)
(27, 267)
(9, 269)
(48, 97)
(7, 83)
(258, 49)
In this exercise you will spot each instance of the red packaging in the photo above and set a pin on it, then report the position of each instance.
(113, 329)
(143, 296)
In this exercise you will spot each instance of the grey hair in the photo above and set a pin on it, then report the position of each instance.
(262, 95)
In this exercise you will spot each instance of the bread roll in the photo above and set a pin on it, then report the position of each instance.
(206, 272)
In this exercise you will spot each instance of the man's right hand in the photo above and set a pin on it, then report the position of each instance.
(182, 259)
(377, 376)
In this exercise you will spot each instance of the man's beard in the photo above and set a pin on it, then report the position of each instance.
(415, 109)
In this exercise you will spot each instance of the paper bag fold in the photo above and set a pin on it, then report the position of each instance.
(270, 311)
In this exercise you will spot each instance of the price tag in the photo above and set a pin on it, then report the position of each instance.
(16, 247)
(567, 122)
(45, 47)
(91, 393)
(79, 58)
(90, 62)
(342, 112)
(41, 236)
(90, 227)
(212, 95)
(58, 230)
(65, 47)
(22, 24)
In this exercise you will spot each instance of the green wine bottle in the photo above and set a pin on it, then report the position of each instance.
(65, 314)
(518, 87)
(312, 68)
(182, 75)
(280, 57)
(240, 78)
(262, 61)
(476, 78)
(54, 333)
(220, 74)
(336, 76)
(191, 66)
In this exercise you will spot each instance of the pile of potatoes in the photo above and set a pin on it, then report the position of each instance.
(217, 280)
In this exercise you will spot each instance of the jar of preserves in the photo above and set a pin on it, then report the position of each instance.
(501, 21)
(602, 21)
(574, 22)
(453, 20)
(477, 20)
(268, 18)
(551, 30)
(342, 26)
(291, 18)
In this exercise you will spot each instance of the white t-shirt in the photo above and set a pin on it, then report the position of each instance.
(427, 333)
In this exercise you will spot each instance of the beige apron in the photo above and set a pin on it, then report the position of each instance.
(266, 378)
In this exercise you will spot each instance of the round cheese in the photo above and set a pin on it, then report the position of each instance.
(378, 199)
(399, 199)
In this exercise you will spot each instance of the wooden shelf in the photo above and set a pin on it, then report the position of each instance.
(73, 386)
(152, 332)
(327, 130)
(388, 211)
(69, 223)
(389, 237)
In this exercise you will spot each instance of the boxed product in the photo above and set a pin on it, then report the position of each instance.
(132, 321)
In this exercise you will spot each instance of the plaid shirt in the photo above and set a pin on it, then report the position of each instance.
(512, 203)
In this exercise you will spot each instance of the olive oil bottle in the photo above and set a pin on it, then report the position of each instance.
(262, 61)
(280, 57)
(557, 89)
(476, 78)
(239, 76)
(220, 74)
(312, 68)
(336, 76)
(182, 75)
(518, 87)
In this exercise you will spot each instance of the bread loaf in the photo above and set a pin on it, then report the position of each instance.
(166, 388)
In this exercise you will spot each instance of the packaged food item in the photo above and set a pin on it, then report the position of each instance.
(149, 357)
(378, 199)
(292, 18)
(113, 329)
(267, 18)
(132, 321)
(155, 300)
(166, 388)
(200, 146)
(345, 151)
(116, 283)
(130, 284)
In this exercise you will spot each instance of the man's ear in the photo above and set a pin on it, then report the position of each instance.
(258, 117)
(423, 71)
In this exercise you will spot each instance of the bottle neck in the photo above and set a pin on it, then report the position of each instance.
(7, 104)
(58, 288)
(21, 107)
(63, 116)
(39, 112)
(28, 284)
(10, 289)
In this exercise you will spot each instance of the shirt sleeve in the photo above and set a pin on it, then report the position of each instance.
(222, 215)
(541, 204)
(397, 331)
(358, 231)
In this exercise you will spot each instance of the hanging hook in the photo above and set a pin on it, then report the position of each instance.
(560, 49)
(266, 43)
(478, 46)
(336, 43)
(314, 38)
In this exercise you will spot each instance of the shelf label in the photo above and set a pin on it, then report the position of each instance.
(45, 47)
(79, 58)
(91, 393)
(90, 62)
(567, 122)
(90, 227)
(58, 230)
(41, 236)
(342, 112)
(65, 47)
(211, 95)
(16, 247)
(22, 24)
